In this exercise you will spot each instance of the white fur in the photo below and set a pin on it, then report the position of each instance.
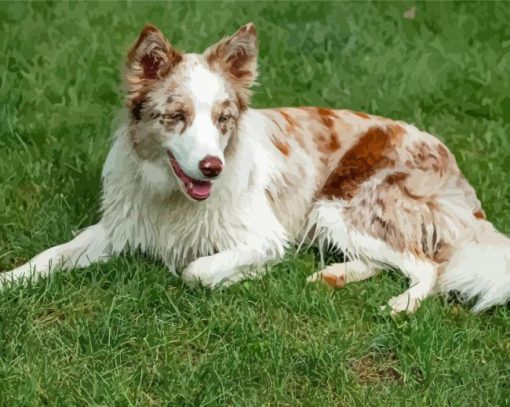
(481, 268)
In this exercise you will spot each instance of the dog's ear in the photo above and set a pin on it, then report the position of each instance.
(150, 59)
(237, 57)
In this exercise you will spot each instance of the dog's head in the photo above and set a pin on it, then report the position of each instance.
(185, 108)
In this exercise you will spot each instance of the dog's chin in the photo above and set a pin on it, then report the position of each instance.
(194, 189)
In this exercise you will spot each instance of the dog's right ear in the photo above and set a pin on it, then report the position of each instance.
(236, 56)
(150, 59)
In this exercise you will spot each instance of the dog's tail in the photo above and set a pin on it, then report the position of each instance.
(480, 269)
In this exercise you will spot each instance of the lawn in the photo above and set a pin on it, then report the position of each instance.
(128, 333)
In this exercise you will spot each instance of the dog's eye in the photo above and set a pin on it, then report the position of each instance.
(178, 117)
(223, 118)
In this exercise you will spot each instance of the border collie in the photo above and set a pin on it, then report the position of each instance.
(218, 190)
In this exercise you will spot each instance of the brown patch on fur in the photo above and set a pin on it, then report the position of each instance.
(362, 115)
(291, 123)
(149, 60)
(327, 116)
(396, 177)
(277, 124)
(372, 153)
(236, 58)
(286, 128)
(282, 146)
(292, 128)
(328, 144)
(441, 253)
(333, 281)
(381, 204)
(480, 214)
(427, 156)
(326, 139)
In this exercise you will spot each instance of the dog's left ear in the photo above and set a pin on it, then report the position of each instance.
(237, 57)
(150, 59)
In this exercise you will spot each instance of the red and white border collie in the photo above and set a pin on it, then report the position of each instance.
(218, 190)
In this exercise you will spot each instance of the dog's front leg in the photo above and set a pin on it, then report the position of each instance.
(230, 265)
(89, 246)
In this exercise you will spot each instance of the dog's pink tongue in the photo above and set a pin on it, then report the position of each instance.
(200, 190)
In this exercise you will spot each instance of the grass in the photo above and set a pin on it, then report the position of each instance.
(127, 332)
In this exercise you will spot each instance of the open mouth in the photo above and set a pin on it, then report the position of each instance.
(196, 189)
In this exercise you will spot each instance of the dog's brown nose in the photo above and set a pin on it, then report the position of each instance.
(211, 166)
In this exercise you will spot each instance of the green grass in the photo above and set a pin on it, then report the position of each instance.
(127, 332)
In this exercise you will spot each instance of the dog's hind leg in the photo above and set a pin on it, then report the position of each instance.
(423, 278)
(338, 274)
(90, 246)
(333, 230)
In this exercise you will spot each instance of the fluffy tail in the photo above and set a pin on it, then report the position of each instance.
(481, 269)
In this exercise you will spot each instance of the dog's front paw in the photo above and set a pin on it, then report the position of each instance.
(192, 276)
(202, 272)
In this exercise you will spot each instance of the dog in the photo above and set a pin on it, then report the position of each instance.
(218, 190)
